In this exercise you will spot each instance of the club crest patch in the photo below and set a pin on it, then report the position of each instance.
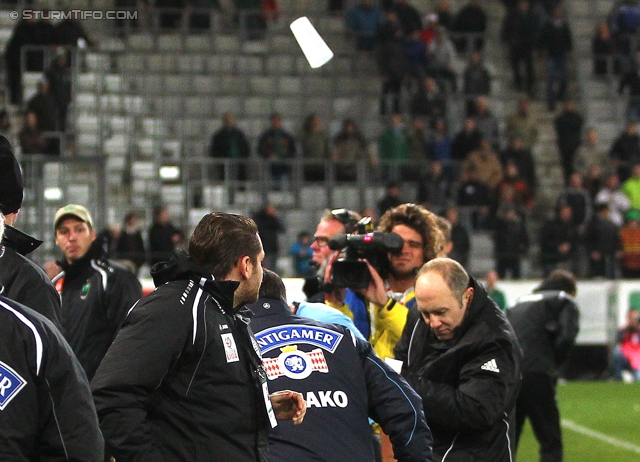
(10, 385)
(295, 364)
(84, 292)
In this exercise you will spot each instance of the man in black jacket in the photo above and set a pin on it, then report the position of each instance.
(96, 293)
(23, 280)
(461, 356)
(546, 324)
(184, 378)
(46, 410)
(344, 383)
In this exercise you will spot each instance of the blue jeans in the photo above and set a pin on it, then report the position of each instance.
(556, 73)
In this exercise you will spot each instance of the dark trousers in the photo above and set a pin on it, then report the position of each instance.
(537, 401)
(505, 264)
(525, 56)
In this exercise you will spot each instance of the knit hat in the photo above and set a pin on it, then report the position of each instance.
(11, 191)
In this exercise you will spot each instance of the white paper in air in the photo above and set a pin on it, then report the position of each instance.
(314, 48)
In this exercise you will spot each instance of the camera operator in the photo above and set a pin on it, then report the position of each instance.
(317, 289)
(391, 295)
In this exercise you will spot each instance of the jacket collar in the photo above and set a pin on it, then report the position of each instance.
(19, 241)
(182, 267)
(269, 307)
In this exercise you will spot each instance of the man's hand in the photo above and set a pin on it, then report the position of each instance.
(288, 405)
(376, 292)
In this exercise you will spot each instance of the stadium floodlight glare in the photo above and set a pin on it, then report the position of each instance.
(314, 48)
(53, 194)
(169, 172)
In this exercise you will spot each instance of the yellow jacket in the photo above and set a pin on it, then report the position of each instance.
(388, 323)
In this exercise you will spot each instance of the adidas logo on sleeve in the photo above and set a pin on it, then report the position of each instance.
(490, 365)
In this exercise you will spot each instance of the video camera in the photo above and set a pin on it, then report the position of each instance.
(349, 270)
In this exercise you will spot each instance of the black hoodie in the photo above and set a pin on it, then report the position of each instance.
(23, 280)
(182, 380)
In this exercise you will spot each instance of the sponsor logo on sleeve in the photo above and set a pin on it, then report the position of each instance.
(10, 385)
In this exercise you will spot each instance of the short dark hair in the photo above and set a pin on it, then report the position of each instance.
(221, 239)
(559, 279)
(420, 220)
(272, 286)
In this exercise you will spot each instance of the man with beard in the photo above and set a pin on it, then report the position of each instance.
(184, 378)
(391, 298)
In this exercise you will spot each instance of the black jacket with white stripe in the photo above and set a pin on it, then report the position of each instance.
(96, 296)
(344, 383)
(468, 384)
(46, 409)
(182, 380)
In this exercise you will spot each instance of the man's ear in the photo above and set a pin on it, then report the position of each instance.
(243, 266)
(468, 296)
(93, 234)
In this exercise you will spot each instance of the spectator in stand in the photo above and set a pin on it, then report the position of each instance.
(466, 140)
(394, 147)
(315, 146)
(27, 32)
(631, 79)
(302, 253)
(443, 14)
(603, 244)
(269, 226)
(416, 52)
(589, 152)
(391, 199)
(512, 180)
(163, 236)
(59, 77)
(626, 355)
(409, 17)
(593, 180)
(510, 238)
(631, 187)
(486, 163)
(523, 159)
(520, 34)
(32, 140)
(476, 80)
(612, 195)
(44, 106)
(441, 55)
(348, 148)
(625, 150)
(393, 65)
(522, 124)
(69, 33)
(556, 41)
(130, 245)
(605, 52)
(495, 294)
(460, 240)
(229, 142)
(418, 155)
(568, 125)
(577, 197)
(630, 243)
(429, 32)
(435, 189)
(558, 241)
(439, 145)
(476, 194)
(364, 20)
(276, 144)
(625, 21)
(486, 122)
(429, 103)
(471, 19)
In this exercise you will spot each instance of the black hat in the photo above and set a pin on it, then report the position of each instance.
(11, 191)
